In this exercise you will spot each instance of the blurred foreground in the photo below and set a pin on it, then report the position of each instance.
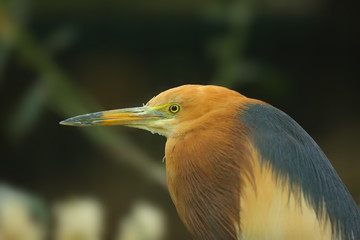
(26, 217)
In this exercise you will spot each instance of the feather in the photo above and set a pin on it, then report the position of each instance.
(298, 162)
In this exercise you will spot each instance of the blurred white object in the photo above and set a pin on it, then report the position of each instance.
(22, 216)
(79, 219)
(145, 222)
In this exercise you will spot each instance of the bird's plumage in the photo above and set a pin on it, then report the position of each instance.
(295, 160)
(238, 168)
(209, 164)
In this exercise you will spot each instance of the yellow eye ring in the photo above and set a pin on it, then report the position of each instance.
(174, 108)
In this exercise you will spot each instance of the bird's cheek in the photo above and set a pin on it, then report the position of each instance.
(162, 127)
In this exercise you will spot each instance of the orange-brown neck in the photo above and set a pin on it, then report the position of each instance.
(203, 169)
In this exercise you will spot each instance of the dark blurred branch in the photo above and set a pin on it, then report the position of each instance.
(67, 100)
(28, 111)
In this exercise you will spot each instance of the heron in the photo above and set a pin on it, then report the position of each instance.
(240, 169)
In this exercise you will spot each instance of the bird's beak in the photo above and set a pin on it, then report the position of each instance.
(132, 117)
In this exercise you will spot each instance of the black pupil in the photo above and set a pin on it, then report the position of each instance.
(174, 108)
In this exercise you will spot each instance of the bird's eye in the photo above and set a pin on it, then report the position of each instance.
(174, 108)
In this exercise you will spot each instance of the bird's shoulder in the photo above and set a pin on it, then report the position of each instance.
(293, 155)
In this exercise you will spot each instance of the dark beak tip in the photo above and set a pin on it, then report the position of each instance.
(64, 122)
(69, 122)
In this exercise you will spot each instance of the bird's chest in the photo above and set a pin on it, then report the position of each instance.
(205, 193)
(189, 171)
(187, 180)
